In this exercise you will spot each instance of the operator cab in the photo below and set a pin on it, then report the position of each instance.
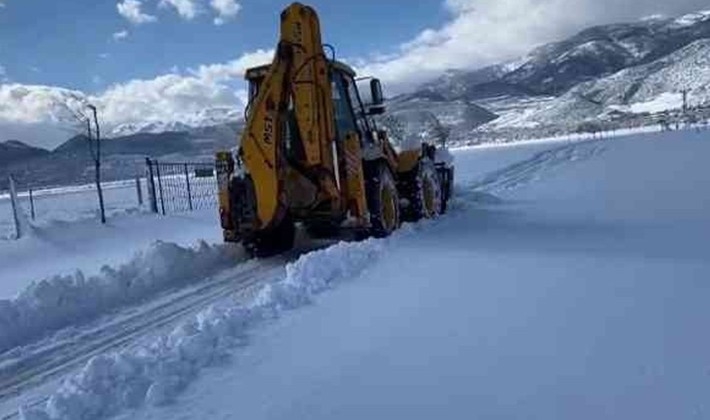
(351, 112)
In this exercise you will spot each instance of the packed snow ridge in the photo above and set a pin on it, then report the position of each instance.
(59, 301)
(155, 372)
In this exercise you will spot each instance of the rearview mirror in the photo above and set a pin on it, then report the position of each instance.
(376, 92)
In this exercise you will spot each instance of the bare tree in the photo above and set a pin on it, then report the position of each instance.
(96, 155)
(74, 106)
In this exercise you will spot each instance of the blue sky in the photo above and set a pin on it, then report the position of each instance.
(71, 44)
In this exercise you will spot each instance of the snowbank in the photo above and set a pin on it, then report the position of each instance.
(88, 245)
(154, 373)
(56, 302)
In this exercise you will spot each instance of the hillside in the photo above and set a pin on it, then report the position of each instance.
(595, 52)
(648, 88)
(13, 151)
(616, 75)
(122, 157)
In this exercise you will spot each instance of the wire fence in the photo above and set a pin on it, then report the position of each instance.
(180, 187)
(38, 206)
(165, 188)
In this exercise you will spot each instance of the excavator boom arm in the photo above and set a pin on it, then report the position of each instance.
(296, 86)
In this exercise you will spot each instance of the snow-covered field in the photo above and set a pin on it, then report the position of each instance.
(71, 204)
(568, 281)
(62, 248)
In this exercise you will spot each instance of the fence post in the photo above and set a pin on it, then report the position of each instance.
(32, 204)
(15, 208)
(139, 191)
(189, 192)
(151, 187)
(160, 187)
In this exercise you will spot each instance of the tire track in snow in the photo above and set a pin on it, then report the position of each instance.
(54, 360)
(157, 370)
(530, 170)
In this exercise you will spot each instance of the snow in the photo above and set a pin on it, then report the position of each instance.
(69, 204)
(87, 245)
(587, 48)
(577, 294)
(691, 19)
(59, 301)
(649, 87)
(203, 118)
(155, 372)
(566, 282)
(665, 101)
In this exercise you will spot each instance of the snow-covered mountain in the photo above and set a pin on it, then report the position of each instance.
(204, 118)
(554, 68)
(648, 88)
(610, 74)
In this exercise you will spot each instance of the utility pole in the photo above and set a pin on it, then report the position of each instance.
(96, 155)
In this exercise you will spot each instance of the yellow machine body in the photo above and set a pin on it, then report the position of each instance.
(309, 145)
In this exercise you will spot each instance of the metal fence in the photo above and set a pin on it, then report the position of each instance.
(180, 187)
(165, 188)
(42, 206)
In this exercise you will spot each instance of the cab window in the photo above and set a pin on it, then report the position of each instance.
(344, 117)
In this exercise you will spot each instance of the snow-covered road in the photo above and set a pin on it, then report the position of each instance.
(39, 365)
(576, 291)
(568, 281)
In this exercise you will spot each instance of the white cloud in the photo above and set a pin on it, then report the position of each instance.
(35, 104)
(164, 98)
(171, 97)
(38, 115)
(232, 70)
(226, 10)
(190, 9)
(117, 36)
(187, 9)
(175, 97)
(483, 32)
(104, 56)
(131, 10)
(2, 4)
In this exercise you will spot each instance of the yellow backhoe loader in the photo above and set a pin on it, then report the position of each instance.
(311, 153)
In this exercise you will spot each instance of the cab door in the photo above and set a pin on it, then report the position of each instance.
(347, 149)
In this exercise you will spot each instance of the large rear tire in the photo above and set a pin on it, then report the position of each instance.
(382, 201)
(274, 241)
(427, 200)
